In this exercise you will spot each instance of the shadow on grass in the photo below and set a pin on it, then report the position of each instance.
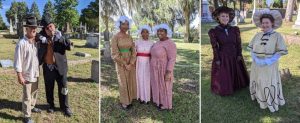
(8, 104)
(10, 117)
(73, 79)
(83, 46)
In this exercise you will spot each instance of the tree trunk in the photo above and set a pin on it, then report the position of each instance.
(216, 3)
(289, 11)
(106, 32)
(187, 22)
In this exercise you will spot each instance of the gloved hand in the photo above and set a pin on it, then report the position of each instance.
(258, 61)
(58, 34)
(41, 38)
(273, 59)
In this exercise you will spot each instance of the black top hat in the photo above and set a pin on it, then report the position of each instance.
(31, 21)
(223, 9)
(46, 21)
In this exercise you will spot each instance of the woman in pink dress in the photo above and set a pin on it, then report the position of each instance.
(143, 46)
(163, 58)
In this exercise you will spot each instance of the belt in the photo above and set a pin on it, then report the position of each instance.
(124, 50)
(144, 54)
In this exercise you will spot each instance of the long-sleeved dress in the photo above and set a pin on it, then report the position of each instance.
(123, 53)
(231, 74)
(143, 69)
(163, 58)
(265, 81)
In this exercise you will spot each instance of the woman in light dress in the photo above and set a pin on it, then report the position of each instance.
(143, 46)
(266, 48)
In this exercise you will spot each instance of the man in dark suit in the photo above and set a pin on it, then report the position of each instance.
(52, 55)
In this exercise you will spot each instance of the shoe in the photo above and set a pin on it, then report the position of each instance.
(28, 120)
(68, 112)
(50, 110)
(36, 110)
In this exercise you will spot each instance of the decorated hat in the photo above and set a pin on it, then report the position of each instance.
(275, 13)
(144, 27)
(223, 9)
(122, 19)
(163, 26)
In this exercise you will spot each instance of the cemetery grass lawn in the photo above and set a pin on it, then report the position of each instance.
(83, 92)
(239, 108)
(185, 98)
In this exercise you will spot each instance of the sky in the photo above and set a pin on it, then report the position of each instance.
(41, 3)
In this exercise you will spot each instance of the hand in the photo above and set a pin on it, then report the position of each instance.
(218, 62)
(168, 76)
(43, 39)
(128, 67)
(21, 80)
(58, 34)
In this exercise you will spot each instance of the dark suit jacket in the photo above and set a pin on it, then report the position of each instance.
(59, 48)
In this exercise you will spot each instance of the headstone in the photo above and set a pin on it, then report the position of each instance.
(11, 30)
(206, 14)
(297, 23)
(85, 31)
(82, 54)
(92, 40)
(242, 16)
(68, 30)
(95, 70)
(235, 19)
(107, 52)
(6, 63)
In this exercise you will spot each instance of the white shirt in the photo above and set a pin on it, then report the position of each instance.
(26, 60)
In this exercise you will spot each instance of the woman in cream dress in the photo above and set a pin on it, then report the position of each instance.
(266, 49)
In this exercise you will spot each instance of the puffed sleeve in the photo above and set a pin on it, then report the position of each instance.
(171, 55)
(115, 53)
(133, 53)
(280, 45)
(214, 44)
(239, 41)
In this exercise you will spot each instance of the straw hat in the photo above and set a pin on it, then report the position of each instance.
(275, 13)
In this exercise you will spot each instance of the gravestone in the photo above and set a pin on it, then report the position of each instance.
(106, 51)
(6, 63)
(235, 19)
(206, 14)
(242, 16)
(297, 23)
(92, 40)
(82, 54)
(11, 30)
(95, 70)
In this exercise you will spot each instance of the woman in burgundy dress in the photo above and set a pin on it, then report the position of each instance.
(228, 72)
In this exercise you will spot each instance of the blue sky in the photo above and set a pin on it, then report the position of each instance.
(41, 3)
